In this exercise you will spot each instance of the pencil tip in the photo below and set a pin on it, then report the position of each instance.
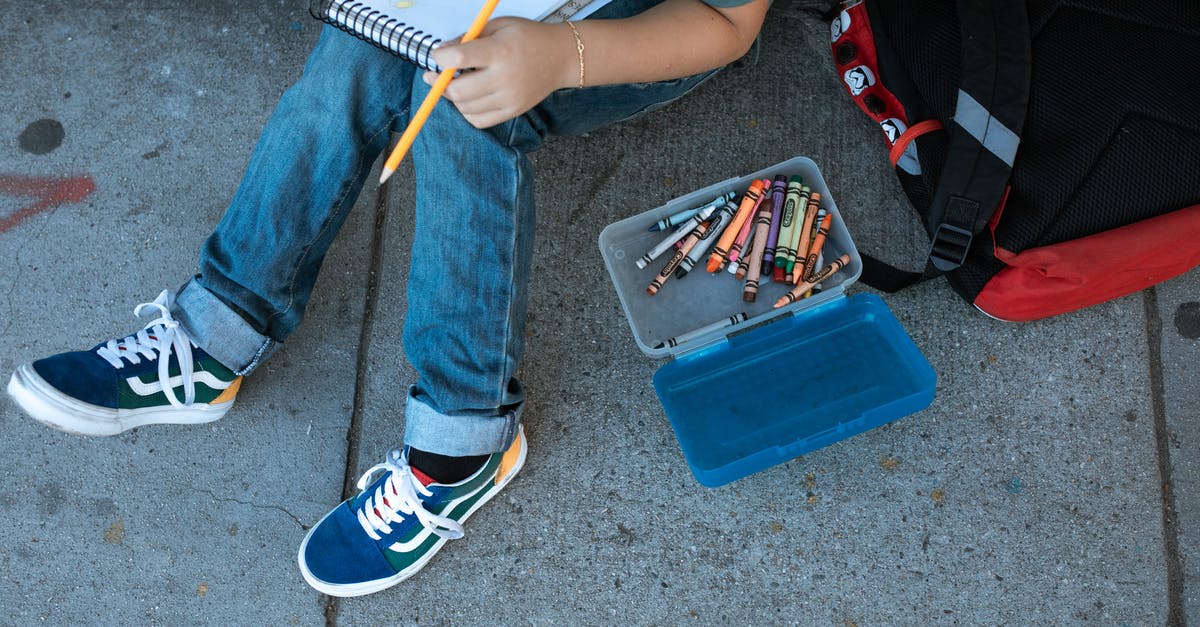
(383, 176)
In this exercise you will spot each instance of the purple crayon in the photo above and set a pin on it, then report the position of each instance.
(778, 188)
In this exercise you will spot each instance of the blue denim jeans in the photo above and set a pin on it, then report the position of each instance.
(473, 236)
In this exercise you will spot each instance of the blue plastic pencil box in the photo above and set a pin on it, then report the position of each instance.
(781, 383)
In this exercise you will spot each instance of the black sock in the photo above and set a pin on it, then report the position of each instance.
(445, 468)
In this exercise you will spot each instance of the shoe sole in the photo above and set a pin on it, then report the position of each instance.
(45, 404)
(360, 589)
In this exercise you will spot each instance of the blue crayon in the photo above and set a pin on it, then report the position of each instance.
(677, 219)
(678, 234)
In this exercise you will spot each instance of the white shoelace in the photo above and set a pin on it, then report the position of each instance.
(396, 498)
(157, 340)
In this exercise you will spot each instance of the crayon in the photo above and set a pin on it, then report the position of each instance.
(695, 333)
(739, 243)
(673, 221)
(778, 189)
(805, 241)
(675, 236)
(756, 241)
(688, 247)
(807, 285)
(762, 228)
(718, 222)
(797, 223)
(677, 219)
(743, 236)
(812, 240)
(677, 259)
(816, 288)
(742, 243)
(744, 209)
(741, 246)
(787, 223)
(818, 243)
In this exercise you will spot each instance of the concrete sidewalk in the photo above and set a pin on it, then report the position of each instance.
(1053, 481)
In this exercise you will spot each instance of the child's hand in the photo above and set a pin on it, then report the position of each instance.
(515, 64)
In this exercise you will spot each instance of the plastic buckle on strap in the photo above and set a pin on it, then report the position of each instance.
(950, 247)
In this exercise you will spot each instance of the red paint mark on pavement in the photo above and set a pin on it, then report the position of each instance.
(47, 193)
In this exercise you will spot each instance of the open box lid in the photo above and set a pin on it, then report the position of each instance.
(782, 389)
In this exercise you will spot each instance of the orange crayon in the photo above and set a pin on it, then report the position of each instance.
(749, 199)
(695, 236)
(742, 241)
(743, 238)
(818, 243)
(802, 246)
(826, 272)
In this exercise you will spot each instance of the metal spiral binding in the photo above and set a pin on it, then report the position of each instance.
(375, 27)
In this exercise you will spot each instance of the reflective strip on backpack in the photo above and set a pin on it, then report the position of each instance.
(997, 138)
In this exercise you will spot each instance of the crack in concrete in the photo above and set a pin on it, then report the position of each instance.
(25, 242)
(229, 499)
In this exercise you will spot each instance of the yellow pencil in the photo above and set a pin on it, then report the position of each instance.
(439, 87)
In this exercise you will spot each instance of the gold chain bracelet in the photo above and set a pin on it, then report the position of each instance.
(579, 46)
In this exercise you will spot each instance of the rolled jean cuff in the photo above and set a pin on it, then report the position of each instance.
(219, 330)
(458, 435)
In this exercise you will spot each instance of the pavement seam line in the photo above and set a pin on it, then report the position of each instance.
(370, 302)
(1174, 562)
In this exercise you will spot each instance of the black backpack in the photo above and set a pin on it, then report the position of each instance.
(1051, 150)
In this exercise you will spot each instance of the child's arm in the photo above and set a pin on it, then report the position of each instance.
(517, 63)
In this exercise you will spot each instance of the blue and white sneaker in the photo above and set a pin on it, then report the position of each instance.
(122, 384)
(397, 523)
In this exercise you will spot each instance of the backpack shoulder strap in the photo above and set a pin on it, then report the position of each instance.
(982, 143)
(986, 131)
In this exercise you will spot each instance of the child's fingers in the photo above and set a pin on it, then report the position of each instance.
(474, 53)
(487, 119)
(468, 87)
(482, 106)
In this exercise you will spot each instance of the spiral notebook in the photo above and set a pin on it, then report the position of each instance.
(413, 28)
